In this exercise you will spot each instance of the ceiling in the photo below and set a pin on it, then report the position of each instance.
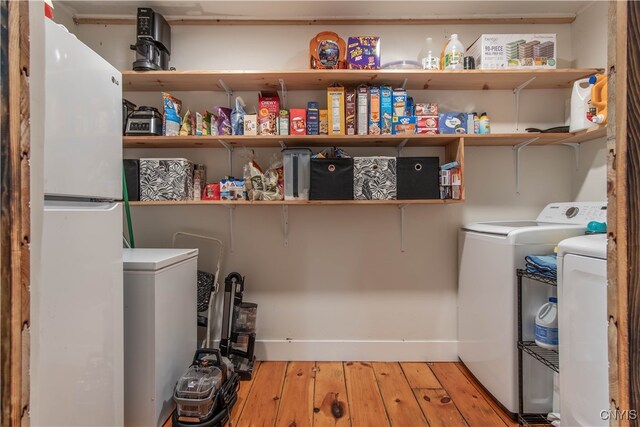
(306, 9)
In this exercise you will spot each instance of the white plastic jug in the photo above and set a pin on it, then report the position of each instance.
(547, 325)
(580, 100)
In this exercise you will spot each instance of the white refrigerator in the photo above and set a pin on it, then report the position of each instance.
(77, 314)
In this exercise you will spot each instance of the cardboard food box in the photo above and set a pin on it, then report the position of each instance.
(298, 121)
(363, 110)
(374, 110)
(335, 105)
(323, 126)
(427, 131)
(250, 124)
(386, 110)
(350, 110)
(424, 109)
(268, 109)
(363, 53)
(404, 125)
(427, 122)
(514, 51)
(452, 123)
(283, 122)
(313, 118)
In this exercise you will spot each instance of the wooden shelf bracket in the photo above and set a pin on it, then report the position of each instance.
(516, 149)
(576, 151)
(516, 99)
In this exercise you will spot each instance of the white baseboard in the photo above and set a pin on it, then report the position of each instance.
(336, 350)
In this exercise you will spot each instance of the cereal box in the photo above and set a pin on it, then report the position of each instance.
(404, 125)
(363, 53)
(399, 102)
(515, 51)
(313, 118)
(386, 110)
(363, 110)
(374, 110)
(268, 108)
(283, 122)
(298, 121)
(324, 122)
(350, 110)
(423, 109)
(427, 122)
(335, 105)
(427, 131)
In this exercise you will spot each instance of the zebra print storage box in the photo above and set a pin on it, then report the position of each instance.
(374, 178)
(166, 179)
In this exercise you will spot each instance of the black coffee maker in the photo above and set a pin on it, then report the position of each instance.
(153, 47)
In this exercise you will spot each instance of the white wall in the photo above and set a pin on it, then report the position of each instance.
(589, 45)
(343, 277)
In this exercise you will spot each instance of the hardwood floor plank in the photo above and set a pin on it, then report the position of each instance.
(506, 418)
(243, 393)
(263, 399)
(439, 408)
(419, 375)
(471, 403)
(330, 404)
(296, 402)
(365, 402)
(402, 407)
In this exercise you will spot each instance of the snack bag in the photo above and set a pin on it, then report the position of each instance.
(223, 121)
(197, 130)
(171, 117)
(237, 117)
(185, 129)
(206, 123)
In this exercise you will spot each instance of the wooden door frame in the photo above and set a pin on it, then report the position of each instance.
(623, 188)
(14, 213)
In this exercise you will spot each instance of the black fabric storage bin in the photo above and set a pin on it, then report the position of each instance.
(418, 178)
(132, 175)
(331, 179)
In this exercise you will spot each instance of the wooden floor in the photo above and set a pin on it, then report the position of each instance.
(364, 394)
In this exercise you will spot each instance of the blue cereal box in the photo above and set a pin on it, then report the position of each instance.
(313, 118)
(404, 125)
(386, 110)
(452, 123)
(400, 102)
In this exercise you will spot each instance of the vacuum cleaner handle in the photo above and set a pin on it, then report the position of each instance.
(201, 352)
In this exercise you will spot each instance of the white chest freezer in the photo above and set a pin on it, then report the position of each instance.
(160, 327)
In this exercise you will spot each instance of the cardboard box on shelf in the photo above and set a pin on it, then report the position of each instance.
(514, 51)
(363, 110)
(268, 109)
(350, 110)
(335, 106)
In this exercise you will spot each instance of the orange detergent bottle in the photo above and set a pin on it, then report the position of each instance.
(599, 98)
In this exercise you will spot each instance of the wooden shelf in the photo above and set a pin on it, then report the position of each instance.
(294, 202)
(320, 79)
(505, 139)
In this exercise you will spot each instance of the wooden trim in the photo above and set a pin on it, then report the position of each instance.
(97, 20)
(14, 214)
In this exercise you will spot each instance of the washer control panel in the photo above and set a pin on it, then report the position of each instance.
(574, 213)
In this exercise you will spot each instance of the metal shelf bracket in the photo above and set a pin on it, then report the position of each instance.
(404, 83)
(401, 146)
(516, 98)
(282, 144)
(285, 224)
(516, 149)
(229, 148)
(401, 210)
(228, 91)
(232, 210)
(283, 88)
(576, 151)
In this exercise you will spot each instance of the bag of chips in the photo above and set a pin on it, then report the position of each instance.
(185, 129)
(171, 118)
(237, 117)
(223, 120)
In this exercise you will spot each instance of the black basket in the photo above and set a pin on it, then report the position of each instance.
(418, 178)
(331, 179)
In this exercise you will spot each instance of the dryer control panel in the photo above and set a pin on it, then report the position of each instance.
(574, 213)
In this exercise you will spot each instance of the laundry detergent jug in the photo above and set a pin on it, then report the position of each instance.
(599, 98)
(581, 106)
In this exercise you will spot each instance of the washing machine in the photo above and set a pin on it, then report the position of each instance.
(489, 253)
(582, 328)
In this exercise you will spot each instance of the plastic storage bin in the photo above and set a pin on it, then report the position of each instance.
(166, 179)
(297, 165)
(418, 178)
(331, 179)
(374, 178)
